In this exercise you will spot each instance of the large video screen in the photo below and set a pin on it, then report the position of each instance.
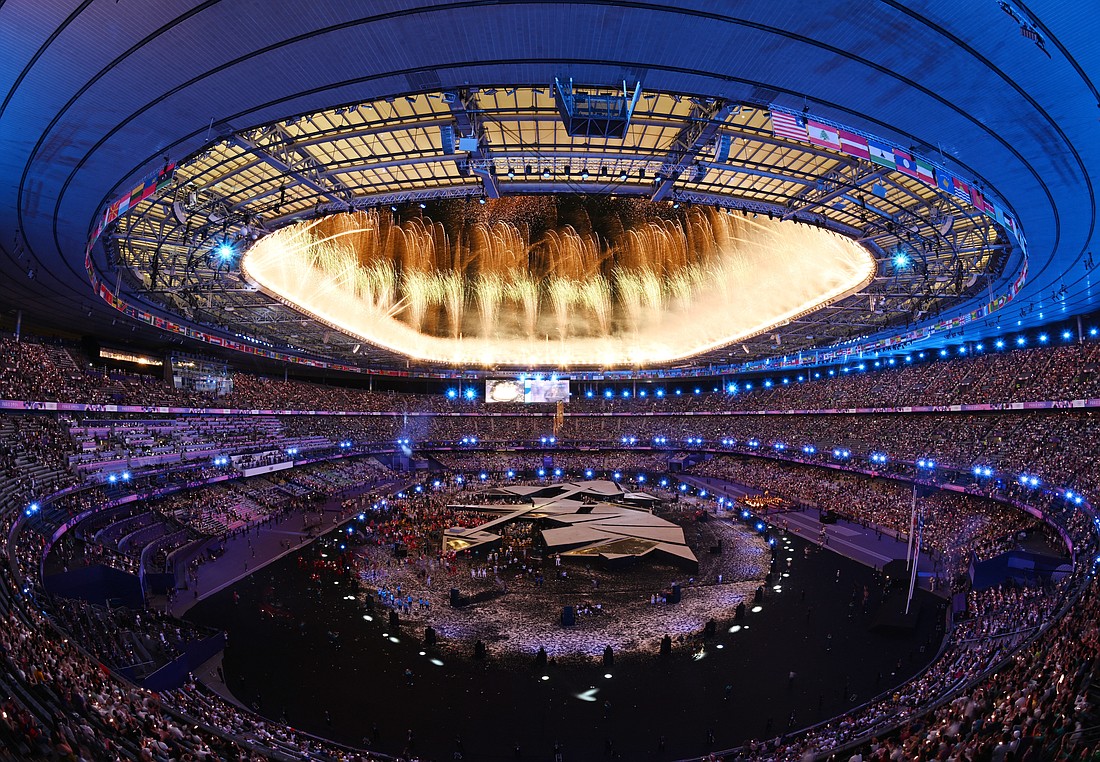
(510, 390)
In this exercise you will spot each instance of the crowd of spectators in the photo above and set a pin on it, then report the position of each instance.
(34, 371)
(967, 705)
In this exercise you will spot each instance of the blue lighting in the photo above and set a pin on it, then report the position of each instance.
(660, 392)
(1020, 341)
(626, 393)
(926, 464)
(510, 473)
(809, 449)
(698, 390)
(589, 473)
(452, 394)
(979, 346)
(1067, 335)
(1092, 332)
(943, 353)
(768, 384)
(999, 343)
(225, 252)
(901, 259)
(1043, 338)
(608, 393)
(590, 394)
(731, 389)
(617, 476)
(470, 393)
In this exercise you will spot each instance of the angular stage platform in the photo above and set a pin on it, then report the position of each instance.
(587, 519)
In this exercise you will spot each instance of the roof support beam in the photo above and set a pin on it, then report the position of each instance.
(703, 125)
(305, 170)
(467, 116)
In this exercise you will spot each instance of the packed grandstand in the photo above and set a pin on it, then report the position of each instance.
(1015, 671)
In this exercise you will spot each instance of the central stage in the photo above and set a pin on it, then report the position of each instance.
(580, 520)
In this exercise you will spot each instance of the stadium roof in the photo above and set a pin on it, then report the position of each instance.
(272, 111)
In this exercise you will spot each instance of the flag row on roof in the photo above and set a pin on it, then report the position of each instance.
(792, 125)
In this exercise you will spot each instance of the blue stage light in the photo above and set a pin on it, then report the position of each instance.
(1043, 338)
(452, 394)
(590, 394)
(1067, 335)
(660, 392)
(608, 393)
(225, 252)
(470, 393)
(1020, 341)
(901, 259)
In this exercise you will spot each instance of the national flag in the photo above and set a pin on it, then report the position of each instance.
(962, 190)
(925, 173)
(998, 213)
(945, 182)
(903, 162)
(792, 126)
(881, 153)
(853, 144)
(980, 202)
(822, 134)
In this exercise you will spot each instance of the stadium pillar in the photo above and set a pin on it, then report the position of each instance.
(19, 324)
(1080, 331)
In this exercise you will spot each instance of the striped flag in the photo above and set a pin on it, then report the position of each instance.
(903, 162)
(853, 144)
(925, 172)
(881, 153)
(822, 134)
(791, 126)
(962, 191)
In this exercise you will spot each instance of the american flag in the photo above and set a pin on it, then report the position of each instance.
(792, 126)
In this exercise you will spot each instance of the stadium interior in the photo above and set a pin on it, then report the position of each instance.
(515, 380)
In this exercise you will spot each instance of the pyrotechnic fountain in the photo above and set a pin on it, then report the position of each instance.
(508, 292)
